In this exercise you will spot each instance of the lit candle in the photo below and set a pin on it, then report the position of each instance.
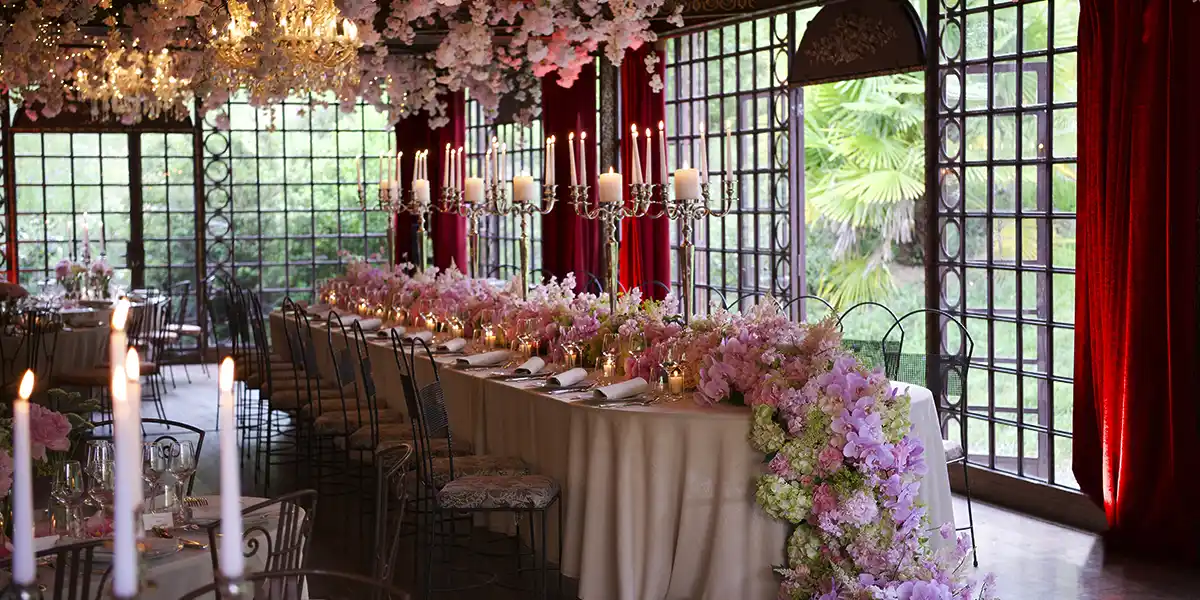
(687, 184)
(394, 190)
(610, 186)
(23, 570)
(610, 366)
(583, 180)
(503, 161)
(232, 562)
(553, 159)
(420, 191)
(125, 559)
(524, 190)
(675, 383)
(396, 165)
(662, 149)
(462, 166)
(703, 155)
(487, 165)
(636, 177)
(728, 153)
(649, 176)
(489, 336)
(446, 167)
(117, 341)
(383, 170)
(473, 191)
(549, 150)
(571, 356)
(571, 157)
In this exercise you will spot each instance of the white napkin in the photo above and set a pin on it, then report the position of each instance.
(424, 336)
(531, 366)
(621, 390)
(370, 324)
(399, 329)
(570, 377)
(486, 359)
(453, 345)
(318, 309)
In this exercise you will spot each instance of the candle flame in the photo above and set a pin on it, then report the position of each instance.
(660, 125)
(571, 136)
(225, 375)
(612, 169)
(133, 365)
(447, 146)
(583, 135)
(647, 132)
(26, 389)
(120, 314)
(634, 128)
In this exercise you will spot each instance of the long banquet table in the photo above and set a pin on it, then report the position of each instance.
(658, 500)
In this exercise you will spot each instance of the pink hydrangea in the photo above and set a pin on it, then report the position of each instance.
(48, 430)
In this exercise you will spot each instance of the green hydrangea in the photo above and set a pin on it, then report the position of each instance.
(765, 434)
(895, 419)
(801, 456)
(782, 499)
(803, 546)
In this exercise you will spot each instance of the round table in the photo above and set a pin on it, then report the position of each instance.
(75, 348)
(658, 500)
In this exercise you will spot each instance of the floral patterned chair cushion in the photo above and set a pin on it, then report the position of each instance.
(521, 492)
(470, 466)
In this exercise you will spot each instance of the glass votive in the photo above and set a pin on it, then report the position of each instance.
(609, 365)
(571, 356)
(675, 383)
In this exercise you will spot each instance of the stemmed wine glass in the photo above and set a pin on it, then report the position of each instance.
(100, 468)
(67, 490)
(181, 461)
(154, 465)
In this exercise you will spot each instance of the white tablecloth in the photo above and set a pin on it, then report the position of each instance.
(659, 500)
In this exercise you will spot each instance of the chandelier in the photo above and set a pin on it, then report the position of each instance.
(128, 84)
(278, 47)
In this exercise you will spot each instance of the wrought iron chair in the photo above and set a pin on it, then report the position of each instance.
(477, 484)
(711, 293)
(287, 547)
(355, 586)
(178, 330)
(101, 430)
(798, 302)
(945, 374)
(875, 352)
(592, 284)
(393, 463)
(74, 574)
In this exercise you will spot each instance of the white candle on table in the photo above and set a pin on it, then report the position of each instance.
(703, 155)
(487, 165)
(610, 186)
(394, 190)
(230, 552)
(420, 191)
(662, 149)
(583, 180)
(547, 151)
(571, 157)
(473, 191)
(503, 160)
(524, 190)
(125, 558)
(553, 159)
(462, 167)
(446, 167)
(636, 177)
(397, 167)
(117, 342)
(648, 175)
(24, 572)
(133, 370)
(687, 184)
(728, 153)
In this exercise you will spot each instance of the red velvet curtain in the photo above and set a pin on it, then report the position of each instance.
(1136, 440)
(570, 243)
(645, 242)
(447, 232)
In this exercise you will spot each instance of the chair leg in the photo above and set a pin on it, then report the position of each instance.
(544, 584)
(187, 373)
(561, 528)
(970, 514)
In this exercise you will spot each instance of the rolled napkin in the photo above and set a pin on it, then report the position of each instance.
(424, 336)
(318, 309)
(625, 389)
(531, 366)
(399, 329)
(486, 359)
(370, 324)
(570, 377)
(453, 345)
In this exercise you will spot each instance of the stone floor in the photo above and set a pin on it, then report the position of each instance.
(1032, 559)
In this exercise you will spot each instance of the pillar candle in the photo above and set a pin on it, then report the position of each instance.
(23, 569)
(420, 191)
(636, 177)
(662, 149)
(583, 180)
(232, 562)
(648, 176)
(473, 191)
(611, 186)
(571, 157)
(703, 156)
(524, 190)
(687, 184)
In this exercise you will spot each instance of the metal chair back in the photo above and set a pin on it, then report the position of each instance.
(356, 586)
(99, 429)
(284, 548)
(801, 313)
(426, 405)
(74, 570)
(944, 372)
(876, 352)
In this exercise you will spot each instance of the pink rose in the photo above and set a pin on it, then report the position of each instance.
(48, 430)
(6, 473)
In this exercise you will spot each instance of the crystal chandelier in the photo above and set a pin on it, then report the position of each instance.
(129, 84)
(280, 47)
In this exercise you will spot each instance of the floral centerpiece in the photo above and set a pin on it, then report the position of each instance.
(99, 277)
(69, 275)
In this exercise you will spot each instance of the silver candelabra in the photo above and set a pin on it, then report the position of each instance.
(610, 215)
(392, 202)
(687, 211)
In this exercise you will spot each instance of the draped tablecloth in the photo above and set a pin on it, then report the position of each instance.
(75, 348)
(658, 500)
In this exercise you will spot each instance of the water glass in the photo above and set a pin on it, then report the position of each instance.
(181, 461)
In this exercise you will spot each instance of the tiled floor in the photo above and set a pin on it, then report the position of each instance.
(1032, 559)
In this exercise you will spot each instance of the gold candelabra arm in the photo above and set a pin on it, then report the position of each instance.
(579, 200)
(549, 198)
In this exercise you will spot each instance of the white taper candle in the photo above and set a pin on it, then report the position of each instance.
(636, 176)
(571, 157)
(230, 552)
(24, 571)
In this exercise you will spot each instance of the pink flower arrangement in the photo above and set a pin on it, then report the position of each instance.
(6, 473)
(48, 430)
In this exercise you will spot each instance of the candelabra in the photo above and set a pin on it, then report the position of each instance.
(523, 210)
(452, 203)
(391, 201)
(610, 215)
(687, 211)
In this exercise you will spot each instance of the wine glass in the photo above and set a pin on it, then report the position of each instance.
(181, 461)
(67, 490)
(154, 464)
(99, 468)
